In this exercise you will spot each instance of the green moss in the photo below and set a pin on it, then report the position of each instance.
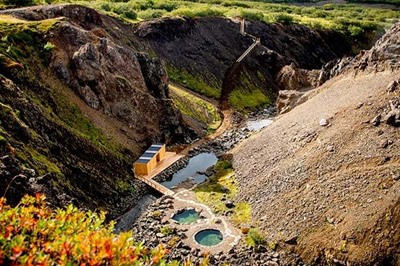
(37, 161)
(22, 41)
(195, 107)
(194, 83)
(3, 142)
(247, 101)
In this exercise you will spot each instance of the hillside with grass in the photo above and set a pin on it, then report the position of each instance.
(72, 114)
(336, 23)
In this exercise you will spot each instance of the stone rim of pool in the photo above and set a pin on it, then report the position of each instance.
(203, 240)
(192, 217)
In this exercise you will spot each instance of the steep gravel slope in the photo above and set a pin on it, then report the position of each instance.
(332, 191)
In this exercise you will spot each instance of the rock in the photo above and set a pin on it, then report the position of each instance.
(330, 148)
(359, 105)
(261, 248)
(225, 189)
(288, 99)
(292, 240)
(386, 143)
(323, 122)
(245, 230)
(376, 120)
(159, 235)
(393, 86)
(330, 220)
(396, 177)
(292, 78)
(229, 204)
(393, 117)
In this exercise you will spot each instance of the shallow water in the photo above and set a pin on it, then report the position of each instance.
(186, 217)
(208, 237)
(198, 163)
(257, 125)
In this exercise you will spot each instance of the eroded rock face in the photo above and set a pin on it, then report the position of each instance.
(384, 55)
(207, 47)
(288, 99)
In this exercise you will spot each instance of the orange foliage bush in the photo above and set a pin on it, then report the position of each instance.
(33, 234)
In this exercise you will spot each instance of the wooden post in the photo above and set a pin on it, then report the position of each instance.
(242, 27)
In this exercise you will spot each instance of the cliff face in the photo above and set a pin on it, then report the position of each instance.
(205, 48)
(323, 179)
(88, 101)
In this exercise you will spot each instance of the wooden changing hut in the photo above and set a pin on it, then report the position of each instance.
(149, 159)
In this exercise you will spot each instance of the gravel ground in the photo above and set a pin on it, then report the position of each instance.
(323, 174)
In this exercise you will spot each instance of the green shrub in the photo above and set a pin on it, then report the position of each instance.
(151, 13)
(125, 10)
(49, 46)
(284, 19)
(184, 12)
(235, 3)
(254, 238)
(130, 14)
(168, 6)
(208, 12)
(105, 6)
(32, 234)
(17, 2)
(252, 14)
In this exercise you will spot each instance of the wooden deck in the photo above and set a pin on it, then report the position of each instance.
(169, 159)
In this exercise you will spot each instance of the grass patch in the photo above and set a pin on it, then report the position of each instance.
(196, 107)
(223, 184)
(248, 100)
(254, 238)
(194, 83)
(38, 161)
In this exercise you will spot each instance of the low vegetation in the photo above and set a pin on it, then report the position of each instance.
(223, 185)
(32, 234)
(332, 16)
(196, 108)
(248, 100)
(196, 84)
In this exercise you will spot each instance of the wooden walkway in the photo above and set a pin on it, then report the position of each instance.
(169, 159)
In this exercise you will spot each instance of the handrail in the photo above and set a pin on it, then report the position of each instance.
(256, 41)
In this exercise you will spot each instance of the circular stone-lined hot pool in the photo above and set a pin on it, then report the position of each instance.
(186, 216)
(209, 237)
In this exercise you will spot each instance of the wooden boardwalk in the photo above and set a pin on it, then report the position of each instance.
(169, 159)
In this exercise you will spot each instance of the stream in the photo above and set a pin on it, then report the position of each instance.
(195, 171)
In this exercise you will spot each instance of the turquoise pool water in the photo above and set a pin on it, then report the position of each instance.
(209, 237)
(186, 217)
